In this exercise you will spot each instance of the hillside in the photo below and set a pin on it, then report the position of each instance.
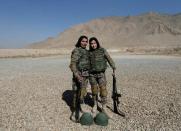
(149, 30)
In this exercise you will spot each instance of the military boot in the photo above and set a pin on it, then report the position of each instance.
(105, 109)
(83, 107)
(94, 108)
(75, 117)
(75, 109)
(72, 117)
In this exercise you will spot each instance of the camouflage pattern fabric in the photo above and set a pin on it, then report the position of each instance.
(98, 80)
(79, 65)
(81, 85)
(99, 58)
(79, 60)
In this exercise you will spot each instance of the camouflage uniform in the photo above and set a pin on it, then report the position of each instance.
(80, 65)
(98, 59)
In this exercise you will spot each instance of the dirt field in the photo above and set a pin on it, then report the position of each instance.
(22, 53)
(19, 53)
(31, 92)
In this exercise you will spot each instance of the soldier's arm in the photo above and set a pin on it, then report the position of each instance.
(109, 59)
(73, 63)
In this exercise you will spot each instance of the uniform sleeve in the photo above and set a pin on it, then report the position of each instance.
(109, 59)
(74, 60)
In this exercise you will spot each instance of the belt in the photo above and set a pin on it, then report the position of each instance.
(96, 72)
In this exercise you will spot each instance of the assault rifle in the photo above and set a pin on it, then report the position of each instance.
(76, 102)
(115, 97)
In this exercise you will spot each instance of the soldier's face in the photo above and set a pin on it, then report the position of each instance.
(93, 44)
(83, 43)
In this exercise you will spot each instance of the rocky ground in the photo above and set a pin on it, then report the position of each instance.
(34, 94)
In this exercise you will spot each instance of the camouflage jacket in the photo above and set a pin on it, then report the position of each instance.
(99, 59)
(79, 60)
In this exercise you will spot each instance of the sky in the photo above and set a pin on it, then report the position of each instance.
(23, 22)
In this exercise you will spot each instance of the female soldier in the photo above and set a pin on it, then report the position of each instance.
(79, 66)
(98, 65)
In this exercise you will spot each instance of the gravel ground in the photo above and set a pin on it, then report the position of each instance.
(31, 91)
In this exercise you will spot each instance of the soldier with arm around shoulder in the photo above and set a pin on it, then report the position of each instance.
(79, 66)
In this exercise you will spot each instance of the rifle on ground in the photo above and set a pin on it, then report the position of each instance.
(115, 97)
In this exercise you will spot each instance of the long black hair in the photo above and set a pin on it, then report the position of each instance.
(90, 40)
(80, 39)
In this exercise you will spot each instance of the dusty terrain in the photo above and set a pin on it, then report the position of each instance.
(31, 92)
(14, 53)
(20, 53)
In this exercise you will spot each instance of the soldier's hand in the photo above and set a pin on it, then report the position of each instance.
(80, 78)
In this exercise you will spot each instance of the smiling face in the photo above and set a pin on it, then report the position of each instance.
(84, 42)
(93, 44)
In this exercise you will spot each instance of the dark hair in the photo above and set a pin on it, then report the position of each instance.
(80, 39)
(90, 40)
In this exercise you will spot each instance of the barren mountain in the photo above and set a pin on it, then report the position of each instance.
(150, 30)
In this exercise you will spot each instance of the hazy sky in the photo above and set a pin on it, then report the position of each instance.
(27, 21)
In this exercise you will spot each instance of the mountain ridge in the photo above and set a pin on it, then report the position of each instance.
(146, 30)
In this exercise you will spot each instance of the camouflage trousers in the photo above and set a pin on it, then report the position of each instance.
(98, 84)
(79, 89)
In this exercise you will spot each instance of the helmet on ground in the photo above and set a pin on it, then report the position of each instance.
(101, 119)
(86, 119)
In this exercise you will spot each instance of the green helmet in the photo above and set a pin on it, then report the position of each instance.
(101, 119)
(86, 119)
